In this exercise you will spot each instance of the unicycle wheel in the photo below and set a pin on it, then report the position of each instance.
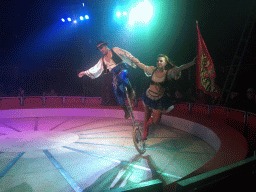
(138, 143)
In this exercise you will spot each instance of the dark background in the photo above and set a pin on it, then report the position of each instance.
(39, 53)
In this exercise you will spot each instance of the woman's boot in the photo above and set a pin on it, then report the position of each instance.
(145, 129)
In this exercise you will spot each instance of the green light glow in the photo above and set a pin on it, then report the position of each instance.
(141, 13)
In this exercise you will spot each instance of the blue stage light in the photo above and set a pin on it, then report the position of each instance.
(124, 13)
(63, 20)
(86, 17)
(69, 19)
(75, 21)
(81, 18)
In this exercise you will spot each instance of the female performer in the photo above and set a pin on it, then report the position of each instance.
(156, 100)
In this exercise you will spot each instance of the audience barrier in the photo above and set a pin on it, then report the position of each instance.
(229, 124)
(48, 102)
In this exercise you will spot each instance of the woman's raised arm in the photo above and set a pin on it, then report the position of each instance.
(173, 73)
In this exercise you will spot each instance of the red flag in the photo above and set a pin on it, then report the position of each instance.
(205, 73)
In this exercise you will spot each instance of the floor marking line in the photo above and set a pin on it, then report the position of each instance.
(107, 132)
(105, 138)
(87, 123)
(118, 161)
(9, 166)
(62, 171)
(11, 127)
(36, 124)
(65, 121)
(83, 143)
(120, 123)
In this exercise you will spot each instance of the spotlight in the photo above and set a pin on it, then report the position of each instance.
(86, 17)
(118, 13)
(141, 13)
(63, 20)
(69, 19)
(81, 18)
(75, 21)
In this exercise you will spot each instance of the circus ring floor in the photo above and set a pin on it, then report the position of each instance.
(83, 149)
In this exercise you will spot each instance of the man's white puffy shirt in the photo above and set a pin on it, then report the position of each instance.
(125, 56)
(96, 70)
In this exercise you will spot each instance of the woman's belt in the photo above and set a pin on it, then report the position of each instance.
(154, 97)
(157, 94)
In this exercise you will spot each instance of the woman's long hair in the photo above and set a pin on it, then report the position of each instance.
(170, 64)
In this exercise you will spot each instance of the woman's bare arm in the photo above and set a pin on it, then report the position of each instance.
(174, 73)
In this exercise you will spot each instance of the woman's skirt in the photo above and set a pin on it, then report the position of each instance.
(164, 103)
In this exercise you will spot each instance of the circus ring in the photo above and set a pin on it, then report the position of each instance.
(76, 144)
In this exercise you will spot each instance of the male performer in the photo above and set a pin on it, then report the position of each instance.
(116, 61)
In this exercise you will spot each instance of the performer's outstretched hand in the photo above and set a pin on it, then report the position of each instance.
(194, 60)
(81, 74)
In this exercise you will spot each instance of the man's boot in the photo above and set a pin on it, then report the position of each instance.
(126, 110)
(131, 93)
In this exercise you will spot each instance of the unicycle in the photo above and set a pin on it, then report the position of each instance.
(136, 132)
